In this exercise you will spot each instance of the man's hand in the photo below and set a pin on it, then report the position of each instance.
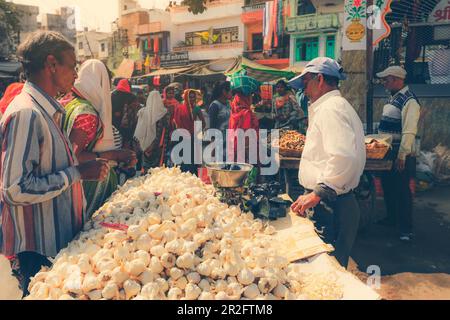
(95, 170)
(400, 165)
(304, 203)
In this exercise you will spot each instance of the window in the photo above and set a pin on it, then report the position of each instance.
(80, 45)
(257, 41)
(224, 35)
(331, 46)
(103, 47)
(306, 49)
(305, 7)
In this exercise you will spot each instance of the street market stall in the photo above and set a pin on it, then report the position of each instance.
(167, 236)
(379, 159)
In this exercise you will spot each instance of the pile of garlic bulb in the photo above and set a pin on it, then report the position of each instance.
(181, 243)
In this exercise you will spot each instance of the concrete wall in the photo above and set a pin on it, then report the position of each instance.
(94, 38)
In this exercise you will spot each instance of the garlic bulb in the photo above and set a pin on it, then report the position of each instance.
(155, 265)
(252, 291)
(246, 277)
(185, 261)
(193, 277)
(132, 288)
(174, 293)
(110, 291)
(266, 285)
(206, 296)
(168, 260)
(176, 273)
(135, 267)
(144, 242)
(192, 291)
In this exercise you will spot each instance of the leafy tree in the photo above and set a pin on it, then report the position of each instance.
(9, 27)
(195, 6)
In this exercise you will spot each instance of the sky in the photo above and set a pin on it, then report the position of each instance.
(95, 14)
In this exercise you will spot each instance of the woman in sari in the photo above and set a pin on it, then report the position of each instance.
(185, 117)
(242, 117)
(286, 105)
(152, 130)
(88, 123)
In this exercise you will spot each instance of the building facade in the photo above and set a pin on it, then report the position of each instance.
(217, 33)
(28, 20)
(261, 45)
(315, 29)
(60, 22)
(89, 45)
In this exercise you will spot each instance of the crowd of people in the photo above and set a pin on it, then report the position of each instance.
(69, 140)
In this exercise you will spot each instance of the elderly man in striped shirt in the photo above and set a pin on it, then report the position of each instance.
(42, 201)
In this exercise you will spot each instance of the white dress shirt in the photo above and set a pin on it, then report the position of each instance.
(335, 152)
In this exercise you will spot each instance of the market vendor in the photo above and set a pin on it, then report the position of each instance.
(286, 105)
(400, 119)
(42, 201)
(333, 158)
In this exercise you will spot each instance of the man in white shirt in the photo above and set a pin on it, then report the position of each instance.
(400, 119)
(333, 159)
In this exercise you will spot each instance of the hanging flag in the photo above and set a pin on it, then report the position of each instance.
(156, 45)
(147, 61)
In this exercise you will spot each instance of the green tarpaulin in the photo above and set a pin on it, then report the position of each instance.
(258, 71)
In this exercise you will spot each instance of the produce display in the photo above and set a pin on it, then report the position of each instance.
(166, 236)
(376, 149)
(291, 143)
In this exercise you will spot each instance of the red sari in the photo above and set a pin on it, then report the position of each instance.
(242, 117)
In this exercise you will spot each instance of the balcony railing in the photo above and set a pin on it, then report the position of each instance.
(313, 22)
(253, 7)
(279, 53)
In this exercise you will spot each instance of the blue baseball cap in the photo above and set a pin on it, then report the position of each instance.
(322, 65)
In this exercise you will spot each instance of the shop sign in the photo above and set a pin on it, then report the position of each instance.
(174, 59)
(441, 13)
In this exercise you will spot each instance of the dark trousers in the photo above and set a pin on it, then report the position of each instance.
(26, 265)
(397, 195)
(337, 222)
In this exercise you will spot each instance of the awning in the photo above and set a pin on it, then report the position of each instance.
(164, 71)
(212, 68)
(125, 69)
(258, 71)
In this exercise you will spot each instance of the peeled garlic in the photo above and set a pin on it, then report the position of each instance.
(204, 269)
(222, 296)
(95, 295)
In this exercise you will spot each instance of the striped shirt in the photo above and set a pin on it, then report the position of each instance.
(42, 201)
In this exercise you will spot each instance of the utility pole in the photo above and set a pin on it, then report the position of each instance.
(369, 74)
